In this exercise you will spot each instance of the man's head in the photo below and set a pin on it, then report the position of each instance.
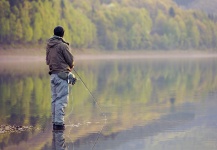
(58, 31)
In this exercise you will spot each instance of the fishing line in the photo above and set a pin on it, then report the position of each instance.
(95, 101)
(68, 135)
(70, 89)
(98, 137)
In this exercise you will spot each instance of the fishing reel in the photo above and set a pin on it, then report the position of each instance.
(71, 78)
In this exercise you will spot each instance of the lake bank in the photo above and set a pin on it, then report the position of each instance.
(35, 55)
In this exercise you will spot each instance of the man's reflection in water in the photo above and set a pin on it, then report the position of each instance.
(58, 142)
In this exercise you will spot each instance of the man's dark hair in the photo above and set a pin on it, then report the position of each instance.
(58, 31)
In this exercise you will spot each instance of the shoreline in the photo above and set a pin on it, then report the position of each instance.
(38, 54)
(129, 55)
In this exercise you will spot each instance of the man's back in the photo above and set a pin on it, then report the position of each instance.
(58, 56)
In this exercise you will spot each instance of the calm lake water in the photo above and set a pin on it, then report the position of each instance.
(166, 104)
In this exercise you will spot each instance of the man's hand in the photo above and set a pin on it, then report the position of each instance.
(71, 78)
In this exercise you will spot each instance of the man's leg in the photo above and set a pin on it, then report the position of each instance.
(53, 96)
(61, 101)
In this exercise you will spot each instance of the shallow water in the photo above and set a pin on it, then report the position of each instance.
(147, 104)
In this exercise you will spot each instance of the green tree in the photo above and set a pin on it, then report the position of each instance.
(193, 35)
(25, 21)
(4, 21)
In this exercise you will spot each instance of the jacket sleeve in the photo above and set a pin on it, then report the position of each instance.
(68, 56)
(47, 52)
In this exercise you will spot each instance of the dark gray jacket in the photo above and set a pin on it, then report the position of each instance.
(58, 56)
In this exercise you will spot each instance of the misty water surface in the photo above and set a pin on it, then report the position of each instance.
(149, 105)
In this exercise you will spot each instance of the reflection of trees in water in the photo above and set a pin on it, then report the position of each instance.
(22, 96)
(142, 81)
(130, 87)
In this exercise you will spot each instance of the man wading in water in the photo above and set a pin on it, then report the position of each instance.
(60, 62)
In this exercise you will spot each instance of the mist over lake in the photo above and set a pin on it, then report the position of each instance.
(153, 104)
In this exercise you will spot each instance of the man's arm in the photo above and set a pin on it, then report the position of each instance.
(68, 56)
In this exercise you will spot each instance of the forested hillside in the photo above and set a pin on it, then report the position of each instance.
(108, 24)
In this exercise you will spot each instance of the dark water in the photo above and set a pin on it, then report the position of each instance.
(148, 105)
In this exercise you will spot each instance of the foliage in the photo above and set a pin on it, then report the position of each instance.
(108, 24)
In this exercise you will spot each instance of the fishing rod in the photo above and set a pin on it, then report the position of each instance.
(95, 101)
